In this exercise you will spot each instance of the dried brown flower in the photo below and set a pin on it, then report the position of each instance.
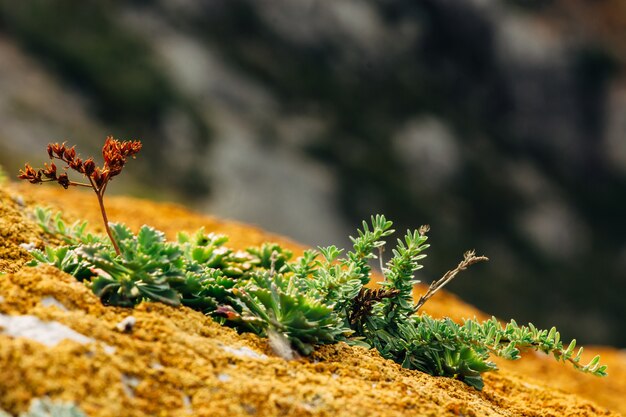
(64, 181)
(114, 153)
(364, 302)
(30, 174)
(88, 167)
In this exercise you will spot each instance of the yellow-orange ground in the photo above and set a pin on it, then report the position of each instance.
(178, 362)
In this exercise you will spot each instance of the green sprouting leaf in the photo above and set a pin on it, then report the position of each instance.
(73, 234)
(279, 306)
(64, 258)
(148, 238)
(330, 253)
(270, 255)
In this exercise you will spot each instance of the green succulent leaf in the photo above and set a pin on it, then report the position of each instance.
(64, 258)
(73, 234)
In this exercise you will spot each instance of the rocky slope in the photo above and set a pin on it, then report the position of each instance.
(177, 362)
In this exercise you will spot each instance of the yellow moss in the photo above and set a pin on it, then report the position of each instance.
(16, 227)
(174, 352)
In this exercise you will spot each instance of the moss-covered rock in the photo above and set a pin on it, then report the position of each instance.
(175, 361)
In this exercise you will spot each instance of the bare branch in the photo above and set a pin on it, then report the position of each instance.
(469, 259)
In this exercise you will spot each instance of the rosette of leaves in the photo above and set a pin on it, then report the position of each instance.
(211, 270)
(64, 257)
(269, 255)
(274, 305)
(208, 251)
(310, 301)
(146, 266)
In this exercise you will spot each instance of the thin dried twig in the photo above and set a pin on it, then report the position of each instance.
(469, 259)
(381, 250)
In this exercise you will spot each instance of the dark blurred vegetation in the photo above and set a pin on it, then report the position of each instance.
(527, 136)
(83, 44)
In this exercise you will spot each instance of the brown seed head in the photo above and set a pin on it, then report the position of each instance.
(29, 173)
(77, 165)
(69, 154)
(64, 181)
(60, 149)
(115, 153)
(130, 148)
(50, 171)
(89, 166)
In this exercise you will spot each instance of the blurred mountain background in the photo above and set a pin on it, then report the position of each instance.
(502, 124)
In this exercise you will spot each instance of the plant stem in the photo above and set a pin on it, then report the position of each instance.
(469, 259)
(100, 194)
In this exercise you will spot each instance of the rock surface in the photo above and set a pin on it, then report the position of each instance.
(177, 362)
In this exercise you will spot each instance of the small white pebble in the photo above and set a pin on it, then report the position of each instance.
(108, 349)
(244, 352)
(126, 325)
(156, 366)
(187, 403)
(50, 301)
(1, 299)
(28, 246)
(19, 200)
(280, 345)
(223, 377)
(129, 383)
(49, 333)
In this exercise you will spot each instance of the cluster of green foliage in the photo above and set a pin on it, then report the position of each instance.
(46, 408)
(318, 298)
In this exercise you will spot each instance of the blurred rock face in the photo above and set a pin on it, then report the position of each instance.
(501, 124)
(428, 151)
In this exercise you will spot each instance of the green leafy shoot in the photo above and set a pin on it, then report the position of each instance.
(73, 234)
(64, 258)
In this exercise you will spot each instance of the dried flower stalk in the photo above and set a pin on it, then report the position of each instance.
(469, 259)
(114, 153)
